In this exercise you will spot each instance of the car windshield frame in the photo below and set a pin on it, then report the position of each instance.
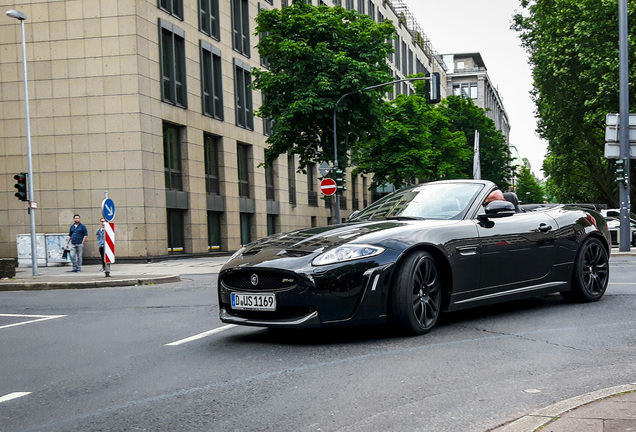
(436, 201)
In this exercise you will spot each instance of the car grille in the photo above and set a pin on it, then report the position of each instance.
(265, 281)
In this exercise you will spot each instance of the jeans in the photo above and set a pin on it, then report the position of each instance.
(77, 250)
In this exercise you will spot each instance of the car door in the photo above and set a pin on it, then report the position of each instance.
(515, 250)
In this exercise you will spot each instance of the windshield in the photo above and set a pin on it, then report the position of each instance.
(428, 201)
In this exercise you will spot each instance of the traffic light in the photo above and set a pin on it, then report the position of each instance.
(340, 181)
(21, 186)
(433, 88)
(620, 171)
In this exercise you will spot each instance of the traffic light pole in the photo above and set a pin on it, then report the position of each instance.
(34, 247)
(623, 131)
(435, 96)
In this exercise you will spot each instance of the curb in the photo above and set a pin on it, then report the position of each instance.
(543, 416)
(131, 281)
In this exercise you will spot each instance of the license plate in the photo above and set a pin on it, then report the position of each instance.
(251, 301)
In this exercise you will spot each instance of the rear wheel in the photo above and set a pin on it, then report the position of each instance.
(417, 294)
(591, 273)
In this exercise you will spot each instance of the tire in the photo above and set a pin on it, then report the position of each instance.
(417, 294)
(591, 273)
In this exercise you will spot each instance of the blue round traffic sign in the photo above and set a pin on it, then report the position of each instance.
(108, 209)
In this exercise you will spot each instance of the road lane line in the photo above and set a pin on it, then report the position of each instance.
(13, 395)
(38, 318)
(201, 335)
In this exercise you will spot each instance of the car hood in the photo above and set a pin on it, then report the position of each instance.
(310, 242)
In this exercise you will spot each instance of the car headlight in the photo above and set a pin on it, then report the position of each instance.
(347, 253)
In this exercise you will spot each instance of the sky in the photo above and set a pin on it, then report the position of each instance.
(462, 26)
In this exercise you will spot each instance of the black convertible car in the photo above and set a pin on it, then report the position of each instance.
(413, 254)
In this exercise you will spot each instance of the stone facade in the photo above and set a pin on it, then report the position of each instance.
(102, 116)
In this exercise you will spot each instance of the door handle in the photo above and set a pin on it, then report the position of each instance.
(544, 228)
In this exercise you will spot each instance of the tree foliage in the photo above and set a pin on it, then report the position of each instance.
(421, 142)
(528, 188)
(494, 152)
(573, 46)
(415, 144)
(316, 54)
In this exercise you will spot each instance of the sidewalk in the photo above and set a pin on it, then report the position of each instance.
(608, 410)
(121, 274)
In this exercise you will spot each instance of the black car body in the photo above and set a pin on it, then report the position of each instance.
(407, 257)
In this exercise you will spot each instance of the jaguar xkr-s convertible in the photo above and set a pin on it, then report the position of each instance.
(413, 254)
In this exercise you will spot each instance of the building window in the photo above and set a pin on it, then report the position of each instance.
(349, 4)
(312, 194)
(241, 27)
(173, 7)
(360, 6)
(365, 193)
(271, 224)
(172, 157)
(209, 18)
(291, 179)
(173, 74)
(371, 9)
(396, 51)
(337, 2)
(410, 62)
(176, 235)
(270, 1)
(270, 183)
(284, 3)
(211, 86)
(473, 90)
(211, 149)
(214, 231)
(246, 228)
(405, 58)
(244, 159)
(355, 200)
(243, 95)
(261, 35)
(460, 65)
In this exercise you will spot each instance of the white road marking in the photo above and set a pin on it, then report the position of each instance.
(14, 395)
(201, 335)
(37, 319)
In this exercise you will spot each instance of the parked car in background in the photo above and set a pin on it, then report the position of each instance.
(409, 256)
(613, 217)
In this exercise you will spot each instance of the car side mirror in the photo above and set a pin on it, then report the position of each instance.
(498, 209)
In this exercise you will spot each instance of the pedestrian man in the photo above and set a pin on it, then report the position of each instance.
(76, 237)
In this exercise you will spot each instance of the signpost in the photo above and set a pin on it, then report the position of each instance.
(328, 186)
(108, 211)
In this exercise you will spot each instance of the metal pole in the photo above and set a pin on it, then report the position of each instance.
(34, 247)
(623, 122)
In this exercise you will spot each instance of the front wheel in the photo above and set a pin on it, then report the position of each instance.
(417, 294)
(591, 273)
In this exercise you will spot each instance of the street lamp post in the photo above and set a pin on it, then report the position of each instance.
(20, 16)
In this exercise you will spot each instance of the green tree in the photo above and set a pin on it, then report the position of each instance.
(466, 117)
(528, 188)
(416, 144)
(573, 47)
(316, 55)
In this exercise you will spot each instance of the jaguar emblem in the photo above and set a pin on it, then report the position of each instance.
(254, 279)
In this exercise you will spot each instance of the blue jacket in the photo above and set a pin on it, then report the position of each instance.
(77, 233)
(100, 237)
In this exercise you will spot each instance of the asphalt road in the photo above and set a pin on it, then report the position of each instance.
(120, 359)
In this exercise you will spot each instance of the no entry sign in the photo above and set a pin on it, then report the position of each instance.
(328, 186)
